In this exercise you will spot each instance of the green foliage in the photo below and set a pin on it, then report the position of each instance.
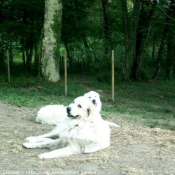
(143, 75)
(81, 33)
(76, 21)
(21, 24)
(19, 16)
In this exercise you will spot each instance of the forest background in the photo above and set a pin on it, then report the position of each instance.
(35, 35)
(141, 32)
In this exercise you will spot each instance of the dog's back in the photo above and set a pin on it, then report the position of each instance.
(51, 114)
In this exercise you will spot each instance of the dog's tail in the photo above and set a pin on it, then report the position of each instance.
(112, 124)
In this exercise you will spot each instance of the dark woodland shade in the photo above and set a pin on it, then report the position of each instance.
(141, 33)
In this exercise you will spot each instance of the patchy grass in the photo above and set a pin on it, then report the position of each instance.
(151, 104)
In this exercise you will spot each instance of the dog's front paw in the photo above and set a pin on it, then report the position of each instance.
(28, 145)
(31, 139)
(46, 156)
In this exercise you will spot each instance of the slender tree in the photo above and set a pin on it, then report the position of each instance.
(130, 17)
(159, 56)
(170, 39)
(142, 33)
(105, 8)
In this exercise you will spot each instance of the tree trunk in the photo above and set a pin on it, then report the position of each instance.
(159, 58)
(36, 58)
(50, 61)
(23, 53)
(170, 57)
(87, 50)
(170, 39)
(29, 55)
(105, 29)
(160, 52)
(153, 50)
(129, 39)
(8, 65)
(142, 32)
(2, 56)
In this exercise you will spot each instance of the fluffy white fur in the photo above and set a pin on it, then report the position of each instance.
(54, 114)
(51, 114)
(94, 97)
(83, 131)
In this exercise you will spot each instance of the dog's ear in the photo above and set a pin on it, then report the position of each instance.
(88, 111)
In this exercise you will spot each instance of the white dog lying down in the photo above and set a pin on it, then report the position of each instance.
(51, 114)
(83, 131)
(54, 114)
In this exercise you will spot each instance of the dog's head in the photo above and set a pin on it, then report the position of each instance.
(81, 107)
(94, 97)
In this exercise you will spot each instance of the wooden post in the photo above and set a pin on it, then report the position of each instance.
(113, 75)
(8, 65)
(65, 73)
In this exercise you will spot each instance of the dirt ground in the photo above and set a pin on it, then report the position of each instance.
(134, 150)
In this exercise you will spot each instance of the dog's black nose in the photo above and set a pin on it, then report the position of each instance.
(94, 101)
(68, 109)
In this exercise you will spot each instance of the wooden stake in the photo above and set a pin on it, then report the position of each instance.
(8, 65)
(65, 73)
(113, 75)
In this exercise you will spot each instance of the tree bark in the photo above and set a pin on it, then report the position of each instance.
(87, 51)
(105, 28)
(170, 39)
(8, 65)
(146, 12)
(159, 58)
(127, 40)
(50, 61)
(160, 51)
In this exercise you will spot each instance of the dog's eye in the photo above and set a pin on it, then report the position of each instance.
(89, 97)
(79, 106)
(73, 102)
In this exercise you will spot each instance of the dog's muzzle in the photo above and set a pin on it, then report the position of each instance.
(94, 102)
(69, 113)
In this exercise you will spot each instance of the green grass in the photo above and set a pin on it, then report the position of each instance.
(151, 104)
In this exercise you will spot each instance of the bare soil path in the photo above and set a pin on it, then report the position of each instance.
(134, 150)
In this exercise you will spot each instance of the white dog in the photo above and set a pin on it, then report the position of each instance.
(94, 97)
(83, 131)
(51, 114)
(54, 114)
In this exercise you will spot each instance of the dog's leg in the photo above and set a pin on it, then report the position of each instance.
(58, 153)
(47, 143)
(52, 134)
(36, 139)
